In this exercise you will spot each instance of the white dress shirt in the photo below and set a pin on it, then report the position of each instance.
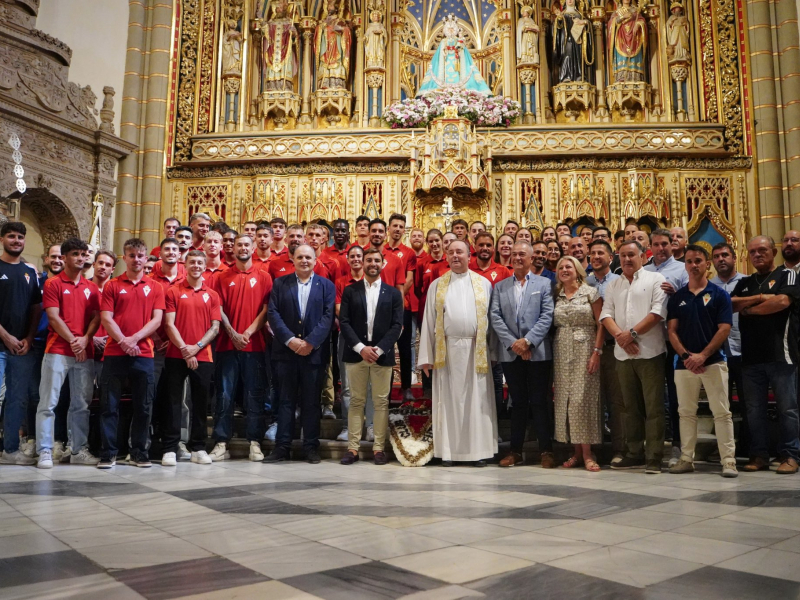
(628, 302)
(373, 294)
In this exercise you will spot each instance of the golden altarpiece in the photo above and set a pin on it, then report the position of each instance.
(628, 110)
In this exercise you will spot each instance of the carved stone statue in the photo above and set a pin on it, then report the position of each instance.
(232, 49)
(573, 46)
(279, 45)
(678, 46)
(627, 42)
(527, 37)
(332, 43)
(375, 45)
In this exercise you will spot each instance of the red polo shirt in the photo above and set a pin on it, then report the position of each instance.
(242, 295)
(156, 251)
(158, 273)
(133, 305)
(76, 306)
(209, 273)
(494, 273)
(194, 310)
(101, 331)
(331, 265)
(411, 301)
(283, 265)
(261, 263)
(284, 252)
(432, 270)
(342, 283)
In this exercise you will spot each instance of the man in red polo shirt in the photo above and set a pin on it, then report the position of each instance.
(104, 263)
(341, 243)
(200, 224)
(316, 235)
(263, 253)
(244, 293)
(184, 235)
(212, 248)
(168, 270)
(72, 304)
(393, 272)
(362, 231)
(170, 226)
(192, 321)
(278, 236)
(281, 264)
(483, 262)
(228, 247)
(131, 311)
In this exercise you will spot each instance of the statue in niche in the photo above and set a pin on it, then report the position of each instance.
(332, 44)
(527, 37)
(627, 42)
(452, 64)
(279, 43)
(573, 45)
(232, 49)
(678, 46)
(376, 41)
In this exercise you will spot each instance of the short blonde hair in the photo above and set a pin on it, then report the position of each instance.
(578, 269)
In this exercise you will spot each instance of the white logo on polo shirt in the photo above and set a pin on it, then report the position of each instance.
(184, 296)
(146, 290)
(231, 284)
(87, 292)
(3, 277)
(253, 282)
(683, 303)
(66, 292)
(206, 297)
(428, 271)
(123, 292)
(282, 270)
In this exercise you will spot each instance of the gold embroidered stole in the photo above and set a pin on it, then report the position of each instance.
(481, 307)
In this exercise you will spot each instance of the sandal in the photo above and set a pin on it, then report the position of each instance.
(591, 465)
(572, 463)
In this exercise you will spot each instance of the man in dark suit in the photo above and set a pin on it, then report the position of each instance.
(371, 320)
(301, 311)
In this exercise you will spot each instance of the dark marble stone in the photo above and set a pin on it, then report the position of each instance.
(711, 583)
(542, 582)
(72, 488)
(772, 498)
(372, 511)
(256, 505)
(51, 566)
(173, 580)
(279, 486)
(213, 493)
(369, 581)
(581, 509)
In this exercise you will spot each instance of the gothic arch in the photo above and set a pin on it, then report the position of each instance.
(54, 218)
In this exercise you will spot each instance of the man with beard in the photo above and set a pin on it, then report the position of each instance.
(790, 250)
(212, 247)
(393, 271)
(263, 240)
(183, 235)
(20, 310)
(168, 270)
(539, 260)
(228, 247)
(282, 264)
(396, 248)
(279, 231)
(371, 320)
(200, 223)
(483, 262)
(244, 293)
(171, 225)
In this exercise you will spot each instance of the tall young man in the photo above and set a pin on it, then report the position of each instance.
(249, 229)
(104, 263)
(200, 223)
(171, 225)
(212, 248)
(279, 245)
(229, 247)
(408, 259)
(461, 228)
(184, 236)
(130, 310)
(393, 273)
(72, 304)
(362, 231)
(341, 243)
(20, 310)
(168, 269)
(263, 253)
(192, 320)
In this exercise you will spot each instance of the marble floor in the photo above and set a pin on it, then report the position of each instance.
(298, 531)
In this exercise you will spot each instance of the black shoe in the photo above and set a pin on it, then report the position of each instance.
(106, 463)
(349, 458)
(447, 463)
(629, 463)
(480, 463)
(653, 467)
(380, 458)
(277, 455)
(312, 456)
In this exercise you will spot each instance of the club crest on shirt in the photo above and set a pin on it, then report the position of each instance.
(771, 283)
(494, 275)
(27, 278)
(87, 292)
(706, 299)
(399, 255)
(206, 297)
(253, 281)
(146, 290)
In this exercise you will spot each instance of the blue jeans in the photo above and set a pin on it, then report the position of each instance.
(783, 379)
(55, 369)
(231, 365)
(18, 371)
(138, 371)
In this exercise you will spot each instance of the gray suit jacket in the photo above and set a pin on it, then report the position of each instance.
(535, 319)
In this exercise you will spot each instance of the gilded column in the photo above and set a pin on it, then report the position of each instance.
(509, 53)
(307, 27)
(598, 23)
(788, 38)
(398, 21)
(359, 77)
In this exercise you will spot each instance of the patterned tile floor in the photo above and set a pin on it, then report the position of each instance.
(300, 531)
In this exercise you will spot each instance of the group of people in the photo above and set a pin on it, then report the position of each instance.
(588, 330)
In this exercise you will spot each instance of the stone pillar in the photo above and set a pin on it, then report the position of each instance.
(358, 25)
(307, 28)
(788, 51)
(598, 16)
(505, 27)
(545, 111)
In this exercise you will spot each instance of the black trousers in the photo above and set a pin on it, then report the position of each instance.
(529, 384)
(138, 371)
(175, 373)
(300, 384)
(404, 349)
(672, 398)
(735, 380)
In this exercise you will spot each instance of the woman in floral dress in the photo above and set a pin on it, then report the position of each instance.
(578, 344)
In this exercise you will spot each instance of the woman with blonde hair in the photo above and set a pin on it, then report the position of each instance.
(576, 356)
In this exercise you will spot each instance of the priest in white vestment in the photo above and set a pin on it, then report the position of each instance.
(456, 343)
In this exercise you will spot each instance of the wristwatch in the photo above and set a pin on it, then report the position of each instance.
(634, 335)
(200, 345)
(598, 351)
(684, 356)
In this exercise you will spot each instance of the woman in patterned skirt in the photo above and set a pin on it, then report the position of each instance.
(578, 345)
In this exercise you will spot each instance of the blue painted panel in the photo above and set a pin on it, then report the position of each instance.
(706, 234)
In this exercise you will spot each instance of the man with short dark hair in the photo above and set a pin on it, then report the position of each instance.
(362, 231)
(629, 230)
(393, 271)
(130, 310)
(249, 229)
(200, 223)
(148, 266)
(104, 263)
(511, 227)
(461, 228)
(396, 248)
(279, 247)
(184, 236)
(538, 261)
(171, 225)
(341, 244)
(72, 304)
(263, 242)
(474, 229)
(563, 229)
(229, 247)
(586, 234)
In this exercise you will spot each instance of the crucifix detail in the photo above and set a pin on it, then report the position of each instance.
(447, 212)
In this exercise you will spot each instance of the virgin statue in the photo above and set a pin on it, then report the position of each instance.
(279, 50)
(332, 43)
(627, 41)
(573, 46)
(452, 65)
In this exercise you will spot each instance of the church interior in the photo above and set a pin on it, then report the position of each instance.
(117, 115)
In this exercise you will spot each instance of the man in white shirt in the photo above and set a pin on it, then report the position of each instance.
(633, 311)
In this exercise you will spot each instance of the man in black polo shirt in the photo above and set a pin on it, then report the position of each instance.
(699, 319)
(20, 310)
(767, 306)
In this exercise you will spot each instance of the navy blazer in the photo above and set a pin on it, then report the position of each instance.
(386, 328)
(315, 327)
(535, 319)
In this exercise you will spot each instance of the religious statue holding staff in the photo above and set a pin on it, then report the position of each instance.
(375, 40)
(332, 44)
(279, 49)
(627, 42)
(573, 45)
(678, 46)
(232, 49)
(527, 37)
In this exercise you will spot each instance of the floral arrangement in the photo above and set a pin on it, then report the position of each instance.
(483, 111)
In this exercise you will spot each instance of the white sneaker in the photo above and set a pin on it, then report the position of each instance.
(83, 457)
(370, 434)
(272, 431)
(220, 452)
(45, 459)
(58, 451)
(183, 453)
(729, 469)
(256, 455)
(201, 458)
(327, 413)
(28, 447)
(65, 456)
(676, 456)
(169, 459)
(16, 458)
(343, 436)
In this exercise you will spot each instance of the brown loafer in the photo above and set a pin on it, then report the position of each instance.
(788, 467)
(548, 460)
(380, 458)
(512, 460)
(756, 464)
(349, 458)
